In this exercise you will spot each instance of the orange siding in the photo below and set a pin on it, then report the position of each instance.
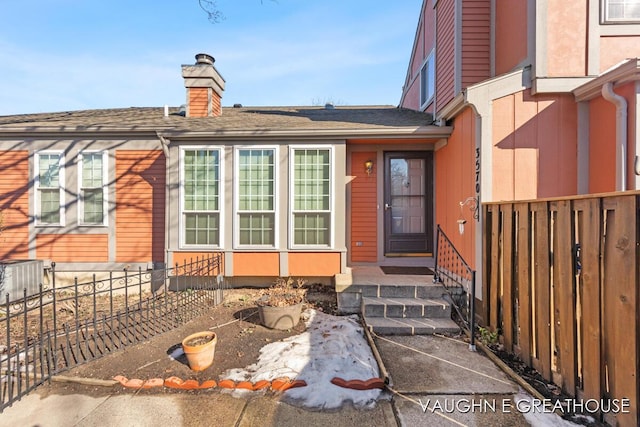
(602, 146)
(445, 52)
(73, 247)
(216, 107)
(140, 206)
(198, 101)
(455, 181)
(182, 258)
(535, 146)
(256, 264)
(511, 34)
(566, 38)
(14, 204)
(476, 22)
(364, 213)
(314, 264)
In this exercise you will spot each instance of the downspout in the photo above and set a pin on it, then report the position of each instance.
(621, 134)
(167, 212)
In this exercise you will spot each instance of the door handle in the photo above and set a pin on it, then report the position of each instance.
(387, 206)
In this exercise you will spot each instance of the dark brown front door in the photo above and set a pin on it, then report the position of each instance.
(408, 197)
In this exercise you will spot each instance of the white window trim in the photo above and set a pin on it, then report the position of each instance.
(604, 20)
(429, 58)
(236, 197)
(332, 190)
(181, 222)
(61, 180)
(105, 189)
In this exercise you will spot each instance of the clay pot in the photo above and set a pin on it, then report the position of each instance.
(199, 349)
(281, 318)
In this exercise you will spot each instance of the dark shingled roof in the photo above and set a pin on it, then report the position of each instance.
(232, 119)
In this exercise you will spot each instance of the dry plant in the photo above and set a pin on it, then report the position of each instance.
(284, 292)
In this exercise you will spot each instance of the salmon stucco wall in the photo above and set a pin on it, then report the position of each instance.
(566, 38)
(534, 146)
(510, 35)
(455, 182)
(616, 49)
(140, 201)
(14, 204)
(73, 247)
(364, 209)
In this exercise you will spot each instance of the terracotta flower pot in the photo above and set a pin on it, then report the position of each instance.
(281, 318)
(199, 349)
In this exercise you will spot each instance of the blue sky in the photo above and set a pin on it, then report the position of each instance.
(58, 55)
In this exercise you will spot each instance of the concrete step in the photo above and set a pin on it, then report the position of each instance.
(406, 307)
(424, 290)
(411, 326)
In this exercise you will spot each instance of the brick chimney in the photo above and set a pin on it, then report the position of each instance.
(204, 87)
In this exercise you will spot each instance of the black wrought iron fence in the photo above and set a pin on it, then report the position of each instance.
(458, 279)
(65, 325)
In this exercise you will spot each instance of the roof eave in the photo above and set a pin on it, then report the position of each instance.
(418, 132)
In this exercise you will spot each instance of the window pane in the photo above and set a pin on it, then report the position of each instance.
(201, 180)
(257, 229)
(50, 206)
(312, 229)
(623, 10)
(92, 170)
(201, 229)
(93, 206)
(49, 173)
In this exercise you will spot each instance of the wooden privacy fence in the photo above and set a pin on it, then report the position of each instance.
(561, 282)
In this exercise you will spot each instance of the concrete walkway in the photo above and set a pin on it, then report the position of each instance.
(436, 382)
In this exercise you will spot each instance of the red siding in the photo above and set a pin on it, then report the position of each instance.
(445, 52)
(364, 223)
(73, 247)
(476, 21)
(511, 34)
(14, 204)
(140, 206)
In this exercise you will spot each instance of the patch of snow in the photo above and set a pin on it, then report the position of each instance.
(332, 346)
(538, 417)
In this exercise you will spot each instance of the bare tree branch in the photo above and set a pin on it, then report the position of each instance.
(210, 7)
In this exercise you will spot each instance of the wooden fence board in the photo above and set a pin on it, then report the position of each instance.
(564, 292)
(542, 288)
(486, 271)
(621, 302)
(590, 238)
(495, 269)
(507, 278)
(524, 282)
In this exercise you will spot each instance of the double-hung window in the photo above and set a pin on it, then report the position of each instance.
(311, 197)
(93, 188)
(50, 188)
(201, 194)
(256, 197)
(427, 80)
(621, 11)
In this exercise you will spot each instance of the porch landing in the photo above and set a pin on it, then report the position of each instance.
(395, 304)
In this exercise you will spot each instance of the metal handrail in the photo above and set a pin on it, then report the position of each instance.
(457, 278)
